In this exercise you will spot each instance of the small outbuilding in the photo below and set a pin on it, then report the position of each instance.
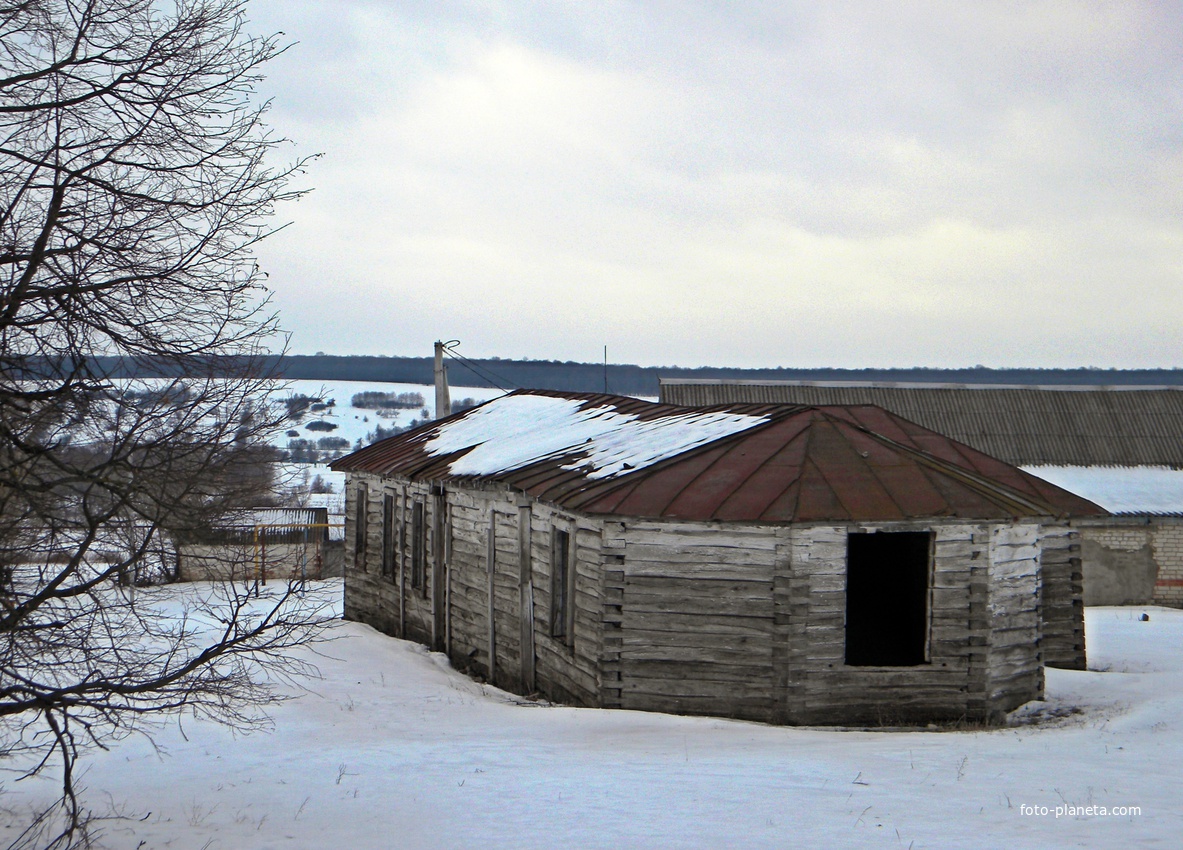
(260, 543)
(782, 563)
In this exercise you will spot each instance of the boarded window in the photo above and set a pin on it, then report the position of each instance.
(359, 524)
(887, 591)
(388, 535)
(418, 546)
(562, 587)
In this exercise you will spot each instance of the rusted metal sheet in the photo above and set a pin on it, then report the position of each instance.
(789, 463)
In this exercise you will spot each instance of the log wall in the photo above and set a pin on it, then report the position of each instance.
(1062, 600)
(388, 601)
(749, 621)
(744, 621)
(691, 606)
(1014, 671)
(475, 571)
(822, 689)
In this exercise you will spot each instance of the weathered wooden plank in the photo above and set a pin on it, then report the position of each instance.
(753, 708)
(692, 672)
(954, 551)
(755, 587)
(699, 687)
(648, 637)
(722, 606)
(689, 554)
(883, 708)
(670, 533)
(723, 572)
(690, 624)
(746, 657)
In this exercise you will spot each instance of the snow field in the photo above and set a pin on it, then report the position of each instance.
(393, 749)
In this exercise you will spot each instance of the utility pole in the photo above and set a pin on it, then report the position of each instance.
(443, 399)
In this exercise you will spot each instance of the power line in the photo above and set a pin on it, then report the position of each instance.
(490, 376)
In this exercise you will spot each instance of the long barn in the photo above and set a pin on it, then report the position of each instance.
(789, 564)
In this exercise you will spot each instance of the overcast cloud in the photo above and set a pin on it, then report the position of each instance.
(823, 184)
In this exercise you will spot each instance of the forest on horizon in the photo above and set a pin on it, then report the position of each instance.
(629, 379)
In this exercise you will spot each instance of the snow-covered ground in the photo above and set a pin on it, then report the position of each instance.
(391, 748)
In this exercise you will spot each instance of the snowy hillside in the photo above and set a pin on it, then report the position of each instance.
(354, 423)
(344, 421)
(394, 749)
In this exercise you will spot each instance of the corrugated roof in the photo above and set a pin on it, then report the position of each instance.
(291, 525)
(272, 517)
(603, 454)
(1149, 490)
(1113, 426)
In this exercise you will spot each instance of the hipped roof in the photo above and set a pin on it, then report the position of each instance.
(603, 454)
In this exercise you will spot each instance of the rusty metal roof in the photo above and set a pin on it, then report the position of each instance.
(603, 454)
(1069, 426)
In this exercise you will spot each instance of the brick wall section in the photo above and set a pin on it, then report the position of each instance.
(1123, 541)
(1167, 545)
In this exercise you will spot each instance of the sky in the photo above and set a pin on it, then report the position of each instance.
(754, 184)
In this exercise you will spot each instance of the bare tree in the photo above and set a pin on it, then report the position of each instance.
(136, 175)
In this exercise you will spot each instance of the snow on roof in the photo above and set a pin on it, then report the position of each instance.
(518, 430)
(1120, 489)
(334, 503)
(272, 517)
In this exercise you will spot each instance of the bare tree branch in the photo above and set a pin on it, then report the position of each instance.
(136, 176)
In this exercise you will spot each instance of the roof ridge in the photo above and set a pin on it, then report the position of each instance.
(971, 478)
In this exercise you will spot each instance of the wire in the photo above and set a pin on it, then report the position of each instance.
(490, 376)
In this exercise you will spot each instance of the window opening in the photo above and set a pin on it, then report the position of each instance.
(359, 546)
(387, 535)
(562, 582)
(418, 546)
(887, 591)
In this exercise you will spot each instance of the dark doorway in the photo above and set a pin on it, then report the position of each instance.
(887, 598)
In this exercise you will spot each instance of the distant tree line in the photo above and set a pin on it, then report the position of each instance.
(298, 404)
(323, 450)
(621, 378)
(387, 401)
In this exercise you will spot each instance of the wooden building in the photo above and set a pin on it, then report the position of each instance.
(1089, 438)
(788, 564)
